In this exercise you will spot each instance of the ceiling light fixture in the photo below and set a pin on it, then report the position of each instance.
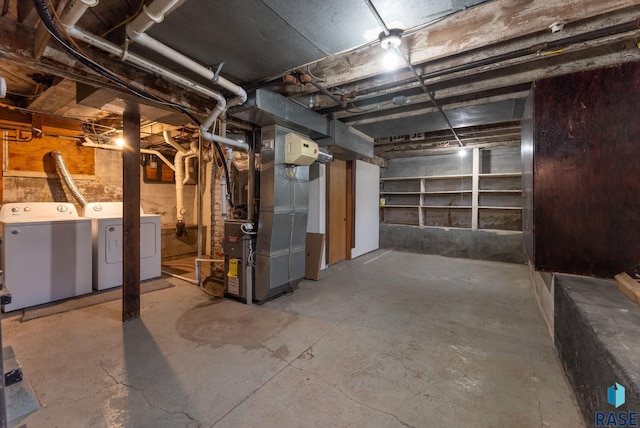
(390, 43)
(120, 142)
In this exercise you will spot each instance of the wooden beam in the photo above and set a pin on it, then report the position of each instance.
(42, 36)
(27, 13)
(476, 90)
(488, 30)
(529, 59)
(131, 214)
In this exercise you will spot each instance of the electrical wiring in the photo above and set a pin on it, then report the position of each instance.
(47, 18)
(124, 21)
(44, 12)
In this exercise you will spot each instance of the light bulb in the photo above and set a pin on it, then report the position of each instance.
(119, 142)
(390, 60)
(462, 152)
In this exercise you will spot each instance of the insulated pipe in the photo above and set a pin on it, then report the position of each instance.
(64, 173)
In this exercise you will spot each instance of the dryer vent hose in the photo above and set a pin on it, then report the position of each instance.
(64, 173)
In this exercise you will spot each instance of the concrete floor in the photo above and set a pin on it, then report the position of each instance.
(391, 339)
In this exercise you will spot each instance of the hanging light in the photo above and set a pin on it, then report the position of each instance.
(390, 43)
(120, 142)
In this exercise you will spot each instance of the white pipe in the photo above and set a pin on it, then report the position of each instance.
(224, 140)
(93, 40)
(154, 13)
(160, 156)
(178, 162)
(75, 10)
(173, 143)
(179, 58)
(187, 170)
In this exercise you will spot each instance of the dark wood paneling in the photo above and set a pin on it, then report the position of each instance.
(586, 151)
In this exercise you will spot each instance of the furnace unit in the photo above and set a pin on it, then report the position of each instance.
(238, 253)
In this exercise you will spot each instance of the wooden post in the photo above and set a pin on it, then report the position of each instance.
(131, 214)
(475, 188)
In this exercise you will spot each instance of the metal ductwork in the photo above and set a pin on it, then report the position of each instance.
(346, 142)
(265, 108)
(284, 188)
(282, 225)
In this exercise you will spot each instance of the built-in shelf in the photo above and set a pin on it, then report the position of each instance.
(434, 198)
(501, 174)
(446, 207)
(426, 177)
(499, 208)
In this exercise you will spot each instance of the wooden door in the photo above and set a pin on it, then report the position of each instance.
(338, 241)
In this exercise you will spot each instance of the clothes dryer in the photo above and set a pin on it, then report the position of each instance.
(106, 232)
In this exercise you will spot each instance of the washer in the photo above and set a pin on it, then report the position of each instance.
(46, 252)
(106, 232)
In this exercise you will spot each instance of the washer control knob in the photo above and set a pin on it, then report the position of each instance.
(15, 209)
(62, 208)
(27, 209)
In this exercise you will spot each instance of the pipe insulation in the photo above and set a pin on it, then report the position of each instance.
(64, 173)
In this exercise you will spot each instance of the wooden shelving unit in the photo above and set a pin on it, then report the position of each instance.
(476, 201)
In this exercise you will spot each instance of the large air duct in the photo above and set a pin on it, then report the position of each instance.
(282, 224)
(264, 107)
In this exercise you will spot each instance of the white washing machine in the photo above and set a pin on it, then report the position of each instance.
(46, 252)
(106, 231)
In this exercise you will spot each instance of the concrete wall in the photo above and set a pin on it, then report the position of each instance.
(448, 231)
(499, 246)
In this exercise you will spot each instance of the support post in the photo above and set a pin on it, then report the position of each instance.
(475, 188)
(131, 214)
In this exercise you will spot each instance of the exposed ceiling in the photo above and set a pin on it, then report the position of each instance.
(477, 58)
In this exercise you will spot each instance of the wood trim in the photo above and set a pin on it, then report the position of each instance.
(351, 207)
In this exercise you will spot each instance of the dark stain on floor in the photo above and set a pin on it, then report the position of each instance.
(223, 322)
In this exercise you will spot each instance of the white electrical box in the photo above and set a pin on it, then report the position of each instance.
(299, 150)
